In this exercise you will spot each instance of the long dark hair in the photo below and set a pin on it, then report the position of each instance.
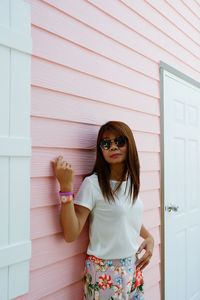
(131, 165)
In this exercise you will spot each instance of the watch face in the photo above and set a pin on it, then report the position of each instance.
(63, 199)
(66, 198)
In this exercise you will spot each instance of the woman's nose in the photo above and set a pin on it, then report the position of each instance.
(113, 146)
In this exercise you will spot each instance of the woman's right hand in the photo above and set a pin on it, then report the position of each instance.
(64, 174)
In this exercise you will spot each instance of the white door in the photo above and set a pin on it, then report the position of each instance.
(181, 186)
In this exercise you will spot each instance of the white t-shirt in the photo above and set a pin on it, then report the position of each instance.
(115, 226)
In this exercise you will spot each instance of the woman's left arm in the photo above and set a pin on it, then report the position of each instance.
(147, 245)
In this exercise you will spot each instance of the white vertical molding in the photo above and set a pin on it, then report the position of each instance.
(15, 61)
(4, 131)
(4, 90)
(4, 221)
(5, 13)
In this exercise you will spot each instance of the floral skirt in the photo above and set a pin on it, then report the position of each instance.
(112, 279)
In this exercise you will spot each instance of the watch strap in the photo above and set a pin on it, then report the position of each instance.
(66, 193)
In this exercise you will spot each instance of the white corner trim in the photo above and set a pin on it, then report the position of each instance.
(15, 40)
(13, 146)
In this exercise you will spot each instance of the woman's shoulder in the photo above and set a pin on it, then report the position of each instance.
(92, 178)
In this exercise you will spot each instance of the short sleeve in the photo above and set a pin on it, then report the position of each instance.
(85, 196)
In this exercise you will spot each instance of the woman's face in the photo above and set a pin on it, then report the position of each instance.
(114, 147)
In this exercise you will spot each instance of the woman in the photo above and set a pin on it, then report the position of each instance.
(110, 198)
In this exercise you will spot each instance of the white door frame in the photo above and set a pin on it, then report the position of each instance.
(165, 67)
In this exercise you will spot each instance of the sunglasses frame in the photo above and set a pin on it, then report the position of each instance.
(115, 140)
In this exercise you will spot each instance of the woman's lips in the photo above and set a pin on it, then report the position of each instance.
(115, 155)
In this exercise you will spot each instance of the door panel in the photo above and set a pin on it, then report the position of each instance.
(181, 116)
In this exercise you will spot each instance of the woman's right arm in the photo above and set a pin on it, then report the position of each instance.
(73, 217)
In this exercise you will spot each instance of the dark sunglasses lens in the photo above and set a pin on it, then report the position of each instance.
(120, 141)
(105, 144)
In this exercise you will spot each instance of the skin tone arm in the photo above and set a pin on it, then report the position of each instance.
(72, 217)
(146, 245)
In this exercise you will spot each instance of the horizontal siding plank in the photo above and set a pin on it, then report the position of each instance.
(194, 7)
(150, 280)
(151, 199)
(165, 26)
(45, 221)
(64, 107)
(149, 161)
(154, 292)
(152, 218)
(52, 249)
(198, 2)
(175, 18)
(44, 191)
(110, 25)
(74, 291)
(48, 74)
(156, 234)
(82, 161)
(64, 134)
(74, 30)
(52, 47)
(137, 22)
(185, 13)
(150, 180)
(76, 136)
(103, 69)
(47, 280)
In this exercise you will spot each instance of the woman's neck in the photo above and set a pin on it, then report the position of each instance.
(117, 173)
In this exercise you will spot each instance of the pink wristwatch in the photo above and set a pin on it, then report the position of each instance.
(66, 197)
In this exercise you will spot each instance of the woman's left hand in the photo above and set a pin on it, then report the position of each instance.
(146, 245)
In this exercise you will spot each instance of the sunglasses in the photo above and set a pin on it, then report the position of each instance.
(119, 141)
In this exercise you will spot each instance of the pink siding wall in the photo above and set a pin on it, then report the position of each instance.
(94, 61)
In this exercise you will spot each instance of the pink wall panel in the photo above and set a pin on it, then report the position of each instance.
(76, 135)
(56, 102)
(46, 74)
(55, 49)
(153, 292)
(47, 280)
(94, 61)
(175, 20)
(130, 34)
(52, 248)
(73, 291)
(162, 29)
(81, 160)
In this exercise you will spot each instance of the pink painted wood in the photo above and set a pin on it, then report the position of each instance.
(94, 61)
